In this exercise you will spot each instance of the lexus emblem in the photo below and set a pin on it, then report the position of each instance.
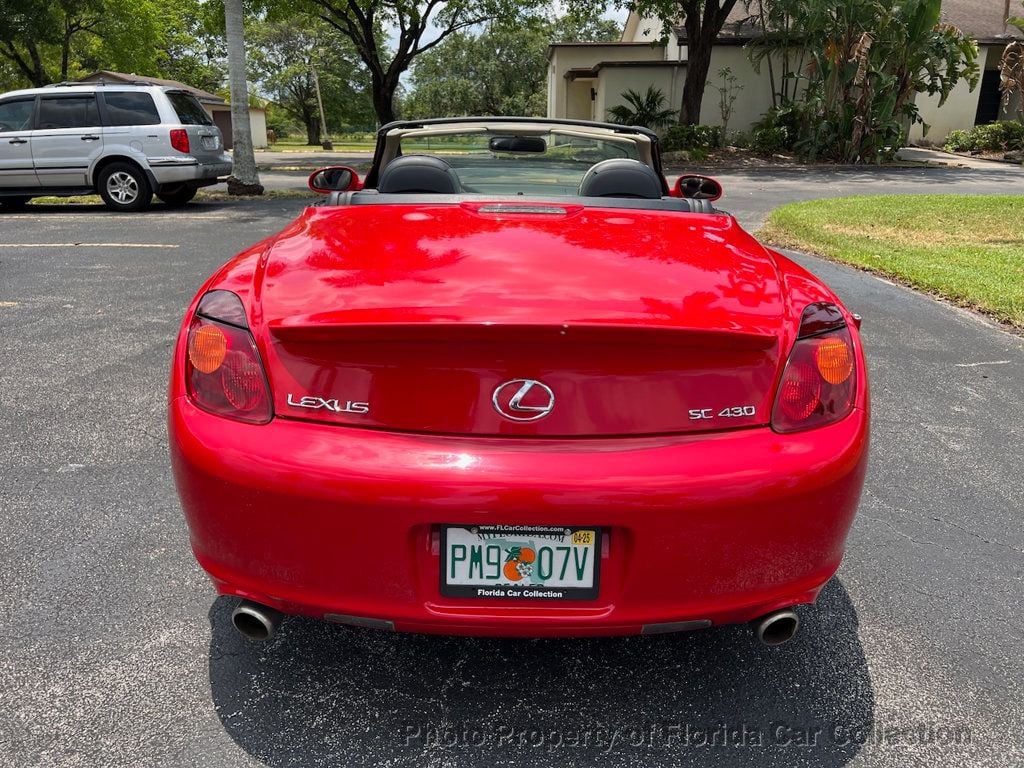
(523, 400)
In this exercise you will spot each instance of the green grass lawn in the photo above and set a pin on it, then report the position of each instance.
(340, 145)
(968, 249)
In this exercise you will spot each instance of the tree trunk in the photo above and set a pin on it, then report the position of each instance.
(245, 179)
(703, 22)
(383, 98)
(312, 130)
(698, 62)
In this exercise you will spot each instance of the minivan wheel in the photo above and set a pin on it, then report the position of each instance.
(178, 197)
(124, 187)
(14, 203)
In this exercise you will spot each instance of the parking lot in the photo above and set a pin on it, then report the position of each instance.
(115, 651)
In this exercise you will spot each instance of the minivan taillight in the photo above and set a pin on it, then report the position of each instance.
(223, 372)
(179, 140)
(819, 383)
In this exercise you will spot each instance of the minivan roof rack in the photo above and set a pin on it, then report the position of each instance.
(67, 83)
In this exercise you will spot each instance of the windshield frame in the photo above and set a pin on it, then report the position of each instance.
(390, 136)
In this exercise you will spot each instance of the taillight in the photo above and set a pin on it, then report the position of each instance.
(820, 381)
(179, 139)
(223, 372)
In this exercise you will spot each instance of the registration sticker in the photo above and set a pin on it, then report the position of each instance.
(514, 562)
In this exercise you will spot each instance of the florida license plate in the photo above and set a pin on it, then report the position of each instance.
(515, 562)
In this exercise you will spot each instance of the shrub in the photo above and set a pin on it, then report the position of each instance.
(959, 141)
(777, 131)
(740, 140)
(646, 109)
(1005, 136)
(691, 137)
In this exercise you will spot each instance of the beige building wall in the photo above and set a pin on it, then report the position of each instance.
(258, 127)
(572, 98)
(751, 103)
(615, 81)
(564, 58)
(957, 112)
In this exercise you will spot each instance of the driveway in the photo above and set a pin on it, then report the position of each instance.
(750, 195)
(115, 651)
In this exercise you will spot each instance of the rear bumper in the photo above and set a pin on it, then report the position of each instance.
(172, 171)
(342, 523)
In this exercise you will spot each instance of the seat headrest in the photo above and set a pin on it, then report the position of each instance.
(418, 173)
(620, 177)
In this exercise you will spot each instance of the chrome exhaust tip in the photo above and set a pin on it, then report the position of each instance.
(255, 621)
(777, 627)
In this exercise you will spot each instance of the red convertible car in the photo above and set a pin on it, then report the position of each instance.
(513, 383)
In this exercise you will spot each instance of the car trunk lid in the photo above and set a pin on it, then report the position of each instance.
(435, 318)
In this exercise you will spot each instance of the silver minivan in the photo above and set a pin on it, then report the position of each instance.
(125, 141)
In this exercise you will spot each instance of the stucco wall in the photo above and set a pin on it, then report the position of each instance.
(958, 112)
(751, 103)
(258, 126)
(566, 101)
(617, 80)
(564, 58)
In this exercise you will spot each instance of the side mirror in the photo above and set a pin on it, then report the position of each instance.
(698, 187)
(336, 178)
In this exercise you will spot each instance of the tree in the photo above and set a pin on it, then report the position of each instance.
(867, 61)
(583, 25)
(646, 109)
(702, 20)
(420, 26)
(29, 27)
(500, 71)
(1011, 70)
(245, 179)
(285, 53)
(191, 44)
(53, 40)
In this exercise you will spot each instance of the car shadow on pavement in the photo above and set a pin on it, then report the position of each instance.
(320, 694)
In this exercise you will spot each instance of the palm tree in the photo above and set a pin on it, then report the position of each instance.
(245, 179)
(647, 110)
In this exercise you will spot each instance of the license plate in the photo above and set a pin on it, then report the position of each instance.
(515, 562)
(210, 142)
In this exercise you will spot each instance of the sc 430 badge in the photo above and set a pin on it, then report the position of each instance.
(733, 412)
(336, 406)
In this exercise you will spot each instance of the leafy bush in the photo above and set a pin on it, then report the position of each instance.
(740, 140)
(1006, 136)
(858, 66)
(959, 141)
(691, 137)
(777, 131)
(646, 109)
(771, 141)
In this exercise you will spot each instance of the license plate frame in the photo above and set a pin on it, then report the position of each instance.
(554, 538)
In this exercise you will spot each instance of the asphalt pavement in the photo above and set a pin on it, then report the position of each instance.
(116, 652)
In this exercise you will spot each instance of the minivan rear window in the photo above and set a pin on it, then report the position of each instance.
(130, 108)
(189, 110)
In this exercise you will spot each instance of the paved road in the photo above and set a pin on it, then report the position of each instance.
(751, 194)
(115, 653)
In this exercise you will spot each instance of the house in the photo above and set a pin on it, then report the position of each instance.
(217, 107)
(585, 80)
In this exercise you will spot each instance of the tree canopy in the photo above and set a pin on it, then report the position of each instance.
(502, 70)
(46, 41)
(288, 56)
(419, 26)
